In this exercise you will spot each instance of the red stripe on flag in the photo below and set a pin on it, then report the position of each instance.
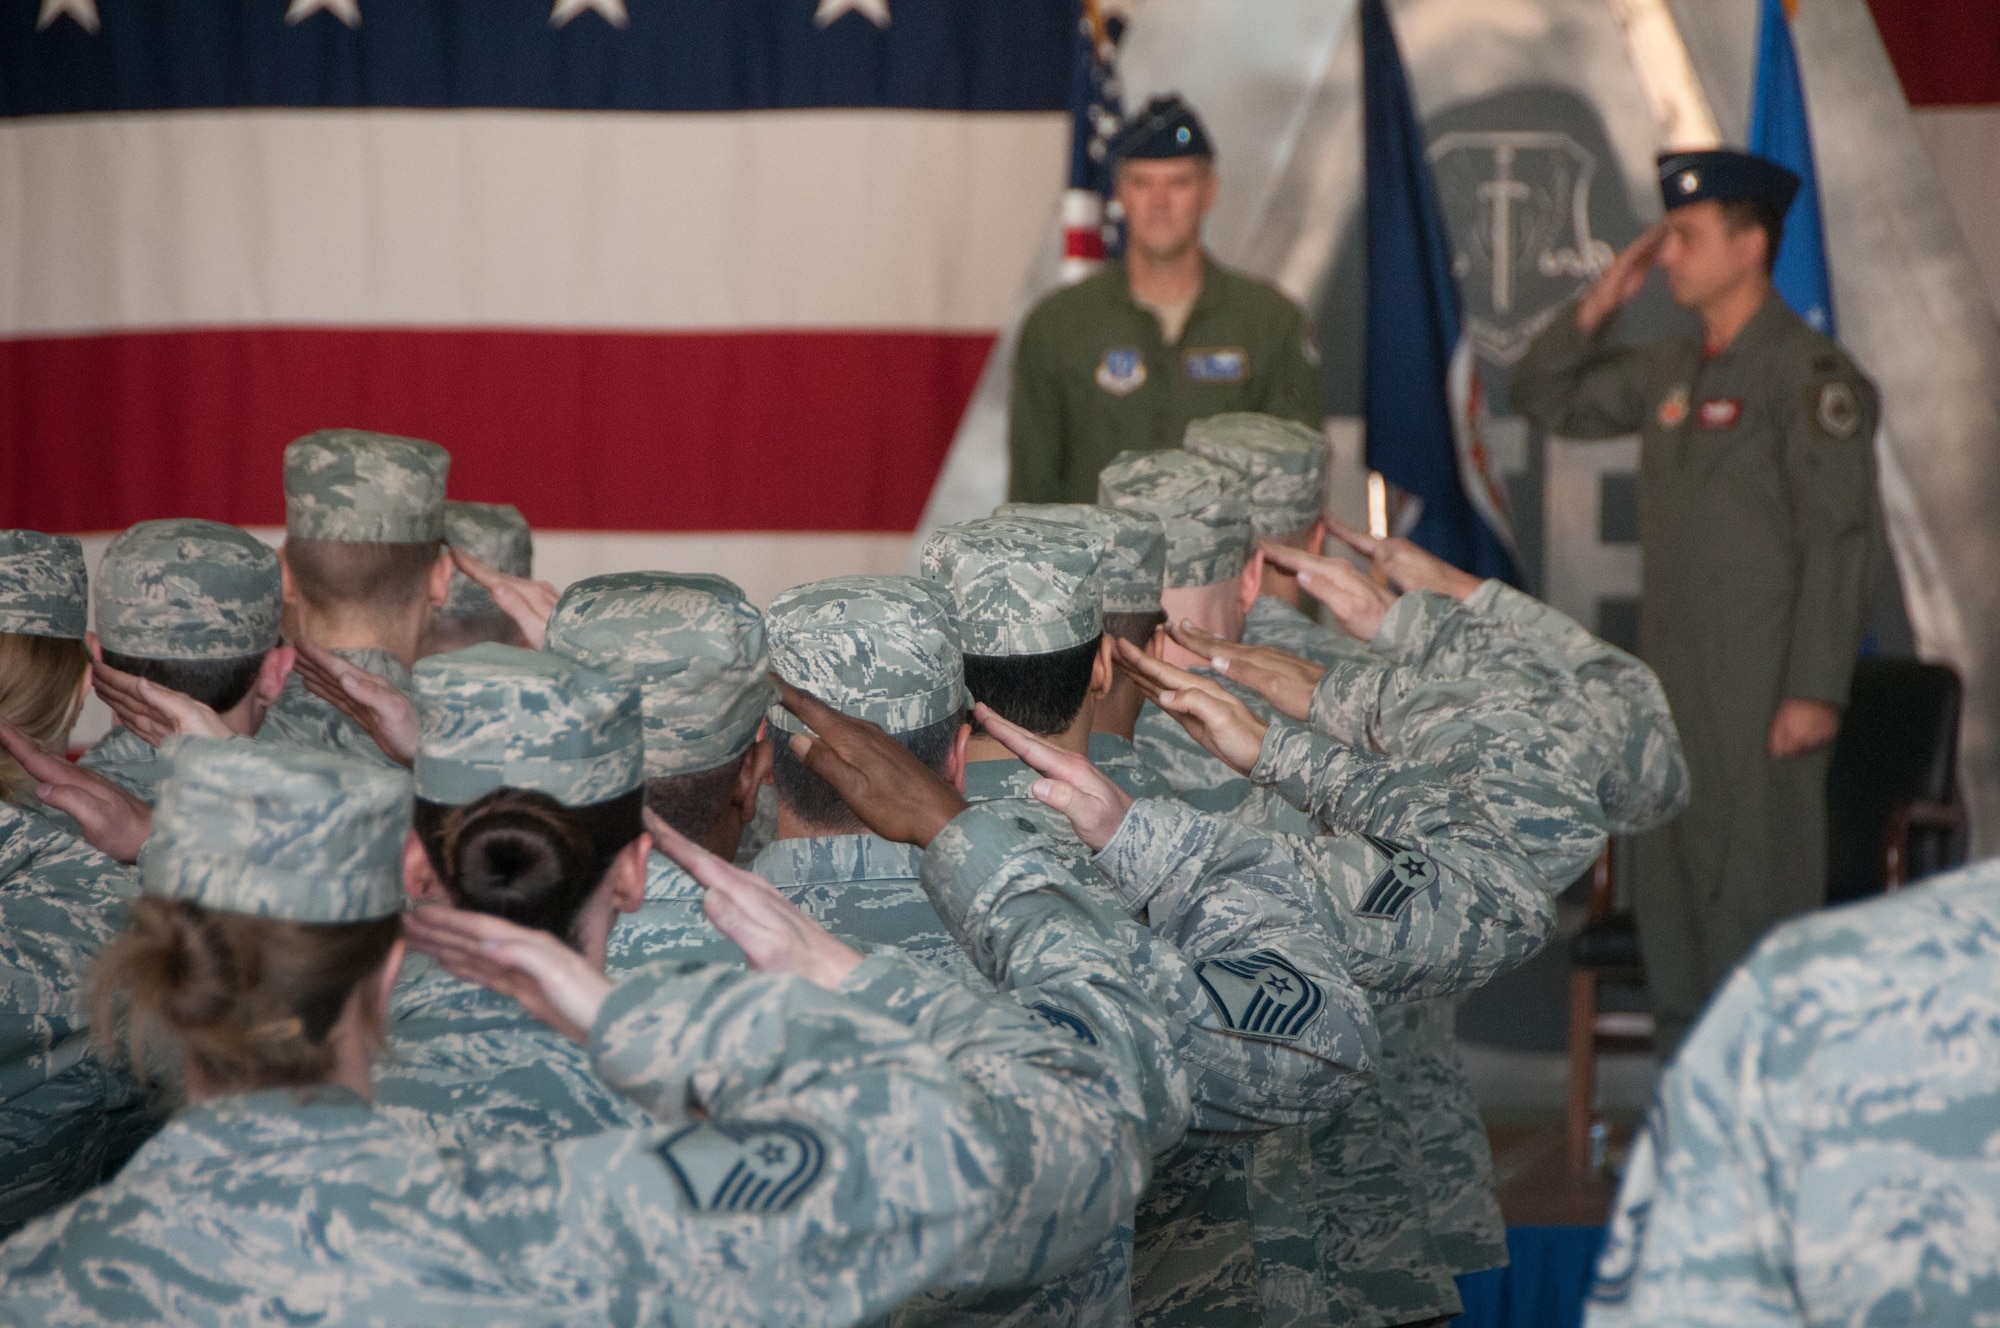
(1946, 52)
(584, 431)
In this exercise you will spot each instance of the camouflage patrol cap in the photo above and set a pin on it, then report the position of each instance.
(1205, 507)
(278, 831)
(1284, 461)
(350, 484)
(879, 648)
(183, 589)
(696, 647)
(1019, 586)
(44, 590)
(495, 716)
(1135, 556)
(497, 535)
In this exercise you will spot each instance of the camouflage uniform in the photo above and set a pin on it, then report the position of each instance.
(696, 647)
(497, 535)
(180, 590)
(349, 484)
(904, 1104)
(1282, 461)
(44, 588)
(1272, 622)
(467, 1065)
(1822, 1149)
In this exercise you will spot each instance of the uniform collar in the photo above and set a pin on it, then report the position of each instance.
(274, 1120)
(1007, 777)
(1108, 749)
(837, 860)
(1121, 280)
(1763, 328)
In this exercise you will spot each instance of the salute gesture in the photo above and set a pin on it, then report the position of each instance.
(1358, 604)
(529, 603)
(1281, 678)
(369, 699)
(1407, 566)
(1095, 806)
(1218, 721)
(1621, 282)
(892, 792)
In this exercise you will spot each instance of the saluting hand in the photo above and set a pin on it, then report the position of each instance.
(369, 699)
(113, 822)
(551, 981)
(153, 712)
(774, 935)
(1358, 604)
(1281, 678)
(1223, 725)
(1407, 566)
(529, 603)
(1084, 794)
(893, 793)
(1620, 283)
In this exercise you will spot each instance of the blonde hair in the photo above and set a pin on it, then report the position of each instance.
(40, 679)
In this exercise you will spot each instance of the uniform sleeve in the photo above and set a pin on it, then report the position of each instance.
(1281, 1010)
(1581, 387)
(1425, 894)
(1293, 391)
(1036, 436)
(826, 1161)
(1700, 1233)
(1037, 931)
(1829, 466)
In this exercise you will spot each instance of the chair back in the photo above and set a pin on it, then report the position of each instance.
(1898, 744)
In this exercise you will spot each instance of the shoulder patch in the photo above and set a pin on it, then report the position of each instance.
(1262, 994)
(1122, 371)
(1407, 873)
(1064, 1021)
(744, 1166)
(1837, 410)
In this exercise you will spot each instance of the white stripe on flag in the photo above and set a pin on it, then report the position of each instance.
(822, 219)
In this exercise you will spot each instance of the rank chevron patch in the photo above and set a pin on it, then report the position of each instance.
(1407, 873)
(1064, 1021)
(1262, 994)
(744, 1167)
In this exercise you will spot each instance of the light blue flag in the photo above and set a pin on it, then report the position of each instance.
(1780, 131)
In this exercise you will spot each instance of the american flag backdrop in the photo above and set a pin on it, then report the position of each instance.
(727, 268)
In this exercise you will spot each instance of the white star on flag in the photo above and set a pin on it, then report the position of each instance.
(82, 12)
(875, 11)
(611, 11)
(347, 11)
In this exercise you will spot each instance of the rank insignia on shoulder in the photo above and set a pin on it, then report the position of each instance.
(1408, 872)
(1837, 410)
(1720, 413)
(744, 1166)
(1674, 407)
(1262, 995)
(1121, 371)
(1216, 364)
(1064, 1021)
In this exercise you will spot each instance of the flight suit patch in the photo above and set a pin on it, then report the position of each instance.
(744, 1167)
(1122, 371)
(1216, 364)
(1837, 410)
(1720, 413)
(1408, 873)
(1064, 1021)
(1674, 407)
(1262, 995)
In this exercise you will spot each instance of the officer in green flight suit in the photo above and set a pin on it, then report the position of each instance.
(1124, 359)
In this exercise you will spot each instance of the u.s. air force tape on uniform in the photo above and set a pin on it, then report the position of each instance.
(1262, 994)
(744, 1166)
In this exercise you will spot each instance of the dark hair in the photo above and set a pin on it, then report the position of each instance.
(1136, 628)
(693, 802)
(246, 1001)
(366, 574)
(449, 632)
(217, 683)
(1743, 212)
(813, 800)
(523, 856)
(1041, 693)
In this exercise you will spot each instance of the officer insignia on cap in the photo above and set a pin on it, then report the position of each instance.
(1407, 873)
(1689, 182)
(1838, 413)
(1262, 994)
(1063, 1021)
(1122, 371)
(741, 1167)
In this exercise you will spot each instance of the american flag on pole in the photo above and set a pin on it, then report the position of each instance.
(1097, 113)
(714, 266)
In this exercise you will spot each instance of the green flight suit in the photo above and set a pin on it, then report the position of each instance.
(1759, 531)
(1093, 376)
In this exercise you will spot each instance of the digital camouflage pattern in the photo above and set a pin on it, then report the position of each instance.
(1823, 1149)
(1119, 760)
(358, 486)
(1018, 585)
(1204, 506)
(906, 1105)
(130, 762)
(697, 650)
(188, 590)
(300, 719)
(1272, 622)
(494, 717)
(66, 1119)
(278, 832)
(44, 588)
(1135, 556)
(879, 648)
(497, 535)
(1283, 460)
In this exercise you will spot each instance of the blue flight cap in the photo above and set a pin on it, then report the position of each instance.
(1166, 127)
(1727, 176)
